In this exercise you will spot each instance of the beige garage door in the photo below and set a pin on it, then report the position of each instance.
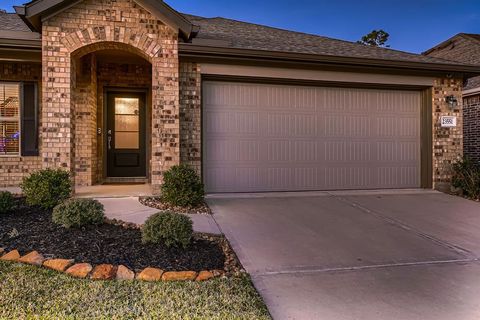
(261, 137)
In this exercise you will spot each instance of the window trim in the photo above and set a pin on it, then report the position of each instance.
(19, 119)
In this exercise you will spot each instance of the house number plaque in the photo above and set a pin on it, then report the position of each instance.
(448, 121)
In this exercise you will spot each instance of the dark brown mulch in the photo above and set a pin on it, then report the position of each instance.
(27, 229)
(158, 203)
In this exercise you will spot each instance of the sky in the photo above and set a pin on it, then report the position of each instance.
(413, 25)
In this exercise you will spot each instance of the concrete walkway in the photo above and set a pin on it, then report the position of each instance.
(358, 255)
(129, 209)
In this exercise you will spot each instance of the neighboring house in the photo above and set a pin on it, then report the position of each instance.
(465, 48)
(122, 90)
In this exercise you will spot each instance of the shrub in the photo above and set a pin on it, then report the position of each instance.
(7, 202)
(75, 213)
(466, 176)
(171, 228)
(47, 188)
(182, 187)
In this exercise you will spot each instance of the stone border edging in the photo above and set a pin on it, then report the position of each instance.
(106, 271)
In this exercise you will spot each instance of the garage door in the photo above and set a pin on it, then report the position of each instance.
(262, 137)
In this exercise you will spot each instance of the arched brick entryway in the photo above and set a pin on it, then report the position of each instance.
(132, 29)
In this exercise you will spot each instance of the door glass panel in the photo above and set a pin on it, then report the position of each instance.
(126, 140)
(127, 128)
(126, 123)
(126, 106)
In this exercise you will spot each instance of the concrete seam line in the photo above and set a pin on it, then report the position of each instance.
(359, 268)
(404, 226)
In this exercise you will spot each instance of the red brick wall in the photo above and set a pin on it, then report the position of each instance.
(471, 129)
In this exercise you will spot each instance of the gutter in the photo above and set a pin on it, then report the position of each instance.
(195, 51)
(188, 50)
(471, 92)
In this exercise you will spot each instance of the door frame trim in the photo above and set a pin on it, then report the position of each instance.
(426, 115)
(118, 89)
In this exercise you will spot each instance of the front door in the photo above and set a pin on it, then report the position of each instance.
(126, 117)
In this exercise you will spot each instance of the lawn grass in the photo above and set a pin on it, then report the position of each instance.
(32, 292)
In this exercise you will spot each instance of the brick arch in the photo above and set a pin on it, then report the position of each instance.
(96, 38)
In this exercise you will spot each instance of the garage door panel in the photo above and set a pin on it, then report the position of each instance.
(233, 122)
(347, 151)
(291, 151)
(240, 151)
(397, 152)
(291, 125)
(260, 137)
(341, 125)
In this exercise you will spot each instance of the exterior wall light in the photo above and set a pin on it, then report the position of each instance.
(452, 101)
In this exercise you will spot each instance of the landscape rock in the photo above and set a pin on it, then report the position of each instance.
(123, 273)
(218, 273)
(179, 276)
(204, 275)
(103, 272)
(79, 270)
(58, 264)
(13, 255)
(33, 257)
(150, 274)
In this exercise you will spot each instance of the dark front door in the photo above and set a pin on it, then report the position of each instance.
(126, 134)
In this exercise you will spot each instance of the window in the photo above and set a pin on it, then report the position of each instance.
(9, 118)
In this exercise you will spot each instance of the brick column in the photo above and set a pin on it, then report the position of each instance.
(447, 142)
(190, 115)
(165, 113)
(57, 115)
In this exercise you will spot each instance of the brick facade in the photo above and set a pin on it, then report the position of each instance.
(14, 168)
(87, 27)
(471, 128)
(190, 115)
(465, 48)
(84, 98)
(447, 142)
(74, 80)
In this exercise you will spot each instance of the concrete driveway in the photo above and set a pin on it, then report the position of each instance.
(358, 255)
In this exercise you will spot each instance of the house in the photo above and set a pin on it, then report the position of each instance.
(465, 48)
(121, 90)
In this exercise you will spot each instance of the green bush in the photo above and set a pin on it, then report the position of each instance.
(466, 177)
(7, 202)
(171, 228)
(182, 187)
(47, 188)
(75, 213)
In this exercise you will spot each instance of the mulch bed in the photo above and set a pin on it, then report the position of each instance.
(29, 228)
(158, 203)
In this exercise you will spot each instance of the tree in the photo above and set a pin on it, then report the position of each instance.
(376, 38)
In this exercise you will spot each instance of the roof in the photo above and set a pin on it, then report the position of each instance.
(217, 34)
(473, 36)
(243, 35)
(15, 33)
(462, 47)
(12, 22)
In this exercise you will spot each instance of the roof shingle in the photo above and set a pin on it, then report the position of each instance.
(230, 33)
(12, 22)
(242, 35)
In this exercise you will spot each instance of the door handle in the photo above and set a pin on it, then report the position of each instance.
(109, 140)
